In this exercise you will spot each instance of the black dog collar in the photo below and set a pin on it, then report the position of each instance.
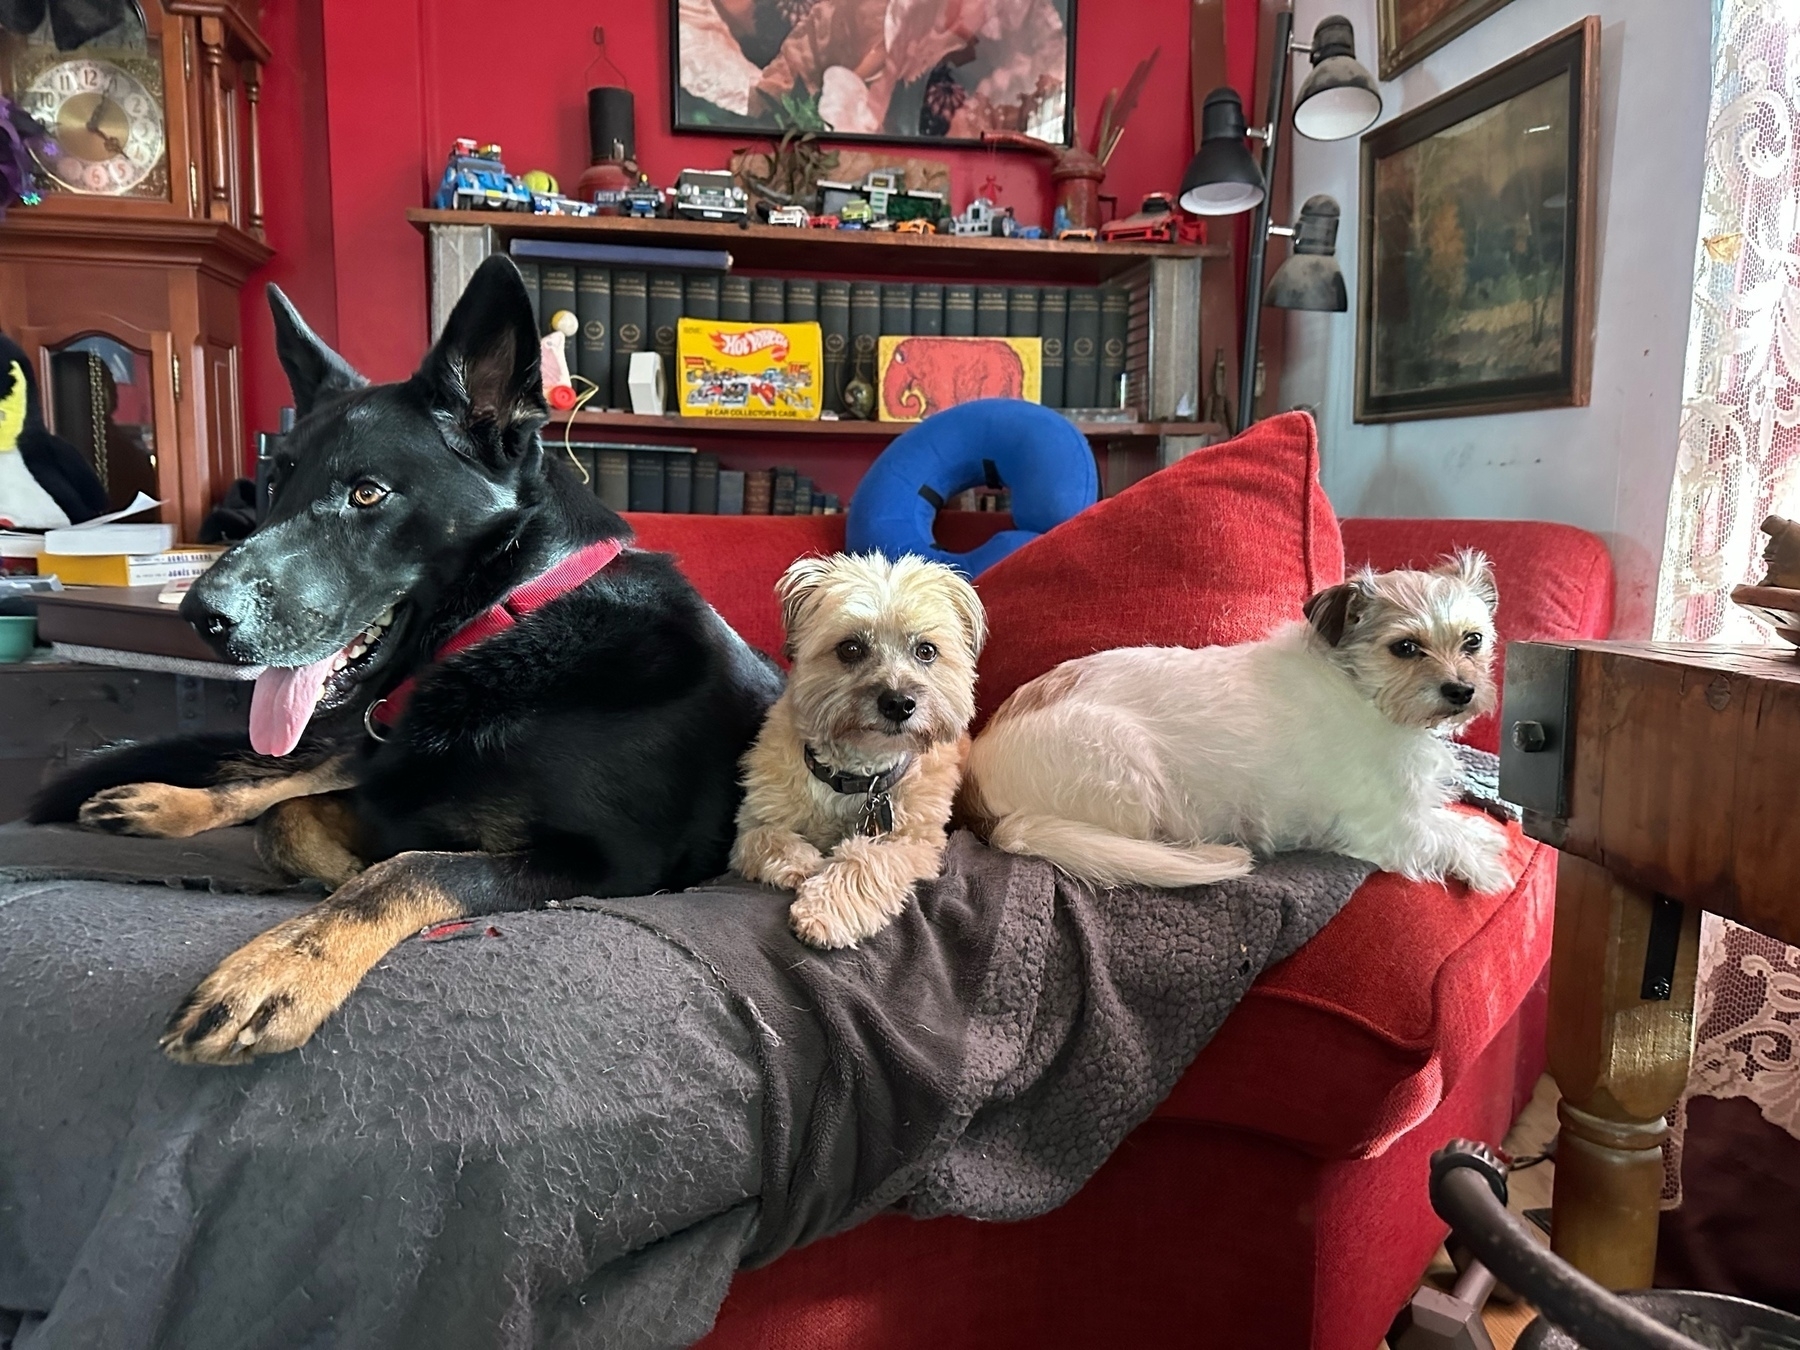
(877, 816)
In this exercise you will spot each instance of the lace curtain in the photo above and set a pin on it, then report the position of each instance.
(1740, 419)
(1739, 461)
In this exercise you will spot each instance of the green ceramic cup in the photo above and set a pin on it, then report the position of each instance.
(18, 634)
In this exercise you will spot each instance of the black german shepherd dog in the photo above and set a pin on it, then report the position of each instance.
(583, 738)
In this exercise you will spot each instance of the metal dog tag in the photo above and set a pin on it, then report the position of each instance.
(877, 816)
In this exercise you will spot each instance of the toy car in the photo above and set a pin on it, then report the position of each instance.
(1078, 235)
(1029, 232)
(919, 226)
(855, 214)
(644, 201)
(1156, 222)
(833, 195)
(824, 222)
(793, 216)
(555, 204)
(475, 179)
(710, 194)
(982, 217)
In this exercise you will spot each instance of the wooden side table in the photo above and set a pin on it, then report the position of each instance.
(1669, 777)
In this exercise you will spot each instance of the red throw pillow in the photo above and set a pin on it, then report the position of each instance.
(1218, 548)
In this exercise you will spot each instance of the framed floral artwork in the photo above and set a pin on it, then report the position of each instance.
(1475, 289)
(875, 71)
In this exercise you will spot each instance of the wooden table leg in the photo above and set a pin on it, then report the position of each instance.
(1619, 1054)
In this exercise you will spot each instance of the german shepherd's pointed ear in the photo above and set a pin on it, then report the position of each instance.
(314, 371)
(483, 377)
(1335, 610)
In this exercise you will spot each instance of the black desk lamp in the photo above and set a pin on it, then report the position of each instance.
(1338, 100)
(1310, 278)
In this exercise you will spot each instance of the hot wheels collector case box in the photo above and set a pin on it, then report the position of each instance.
(750, 369)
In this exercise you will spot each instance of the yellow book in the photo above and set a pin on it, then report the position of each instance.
(128, 569)
(924, 375)
(749, 369)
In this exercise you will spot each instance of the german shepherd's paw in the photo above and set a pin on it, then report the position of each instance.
(268, 996)
(154, 809)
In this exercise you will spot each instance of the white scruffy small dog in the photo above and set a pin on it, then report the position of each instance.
(1168, 766)
(849, 786)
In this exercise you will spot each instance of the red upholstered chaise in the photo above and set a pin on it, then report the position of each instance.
(1277, 1198)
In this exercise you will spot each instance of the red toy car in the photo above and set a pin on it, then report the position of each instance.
(1156, 222)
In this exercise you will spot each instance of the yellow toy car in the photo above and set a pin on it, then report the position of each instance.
(915, 227)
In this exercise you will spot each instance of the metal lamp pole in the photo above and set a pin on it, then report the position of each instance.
(1270, 132)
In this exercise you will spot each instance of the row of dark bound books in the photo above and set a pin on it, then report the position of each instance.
(647, 478)
(1084, 328)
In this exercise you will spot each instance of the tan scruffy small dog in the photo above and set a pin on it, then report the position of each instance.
(848, 788)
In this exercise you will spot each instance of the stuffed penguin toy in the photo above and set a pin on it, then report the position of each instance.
(44, 481)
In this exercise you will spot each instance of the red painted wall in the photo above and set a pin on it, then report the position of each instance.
(297, 203)
(366, 96)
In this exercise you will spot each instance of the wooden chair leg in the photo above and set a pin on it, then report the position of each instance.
(1621, 1033)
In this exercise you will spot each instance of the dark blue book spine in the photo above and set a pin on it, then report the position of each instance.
(665, 327)
(928, 309)
(734, 299)
(834, 330)
(701, 297)
(1115, 326)
(802, 301)
(865, 329)
(534, 287)
(631, 322)
(896, 308)
(990, 311)
(593, 306)
(1081, 375)
(768, 300)
(1053, 327)
(678, 484)
(647, 480)
(959, 311)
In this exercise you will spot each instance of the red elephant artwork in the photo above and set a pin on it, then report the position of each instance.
(924, 375)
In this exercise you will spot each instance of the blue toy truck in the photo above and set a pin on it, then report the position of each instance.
(476, 180)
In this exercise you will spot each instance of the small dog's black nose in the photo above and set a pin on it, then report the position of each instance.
(1458, 694)
(894, 705)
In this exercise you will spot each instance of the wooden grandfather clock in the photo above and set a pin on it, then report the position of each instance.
(123, 284)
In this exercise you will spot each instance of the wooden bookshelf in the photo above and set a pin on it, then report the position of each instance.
(1175, 290)
(787, 250)
(673, 424)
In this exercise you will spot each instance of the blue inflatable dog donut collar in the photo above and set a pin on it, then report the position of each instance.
(1036, 454)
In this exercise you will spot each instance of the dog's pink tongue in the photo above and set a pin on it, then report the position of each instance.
(282, 704)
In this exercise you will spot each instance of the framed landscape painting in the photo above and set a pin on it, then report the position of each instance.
(842, 68)
(1475, 290)
(1412, 29)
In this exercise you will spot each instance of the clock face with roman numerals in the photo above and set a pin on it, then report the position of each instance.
(106, 128)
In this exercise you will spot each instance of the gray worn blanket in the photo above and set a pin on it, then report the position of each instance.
(570, 1132)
